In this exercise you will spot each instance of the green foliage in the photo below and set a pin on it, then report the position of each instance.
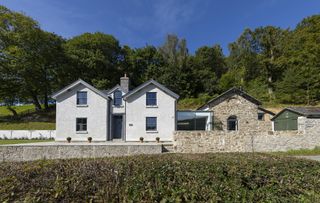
(275, 65)
(23, 141)
(193, 103)
(29, 59)
(163, 178)
(94, 58)
(300, 152)
(19, 109)
(25, 125)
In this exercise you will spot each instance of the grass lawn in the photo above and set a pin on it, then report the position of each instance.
(300, 152)
(3, 142)
(27, 126)
(220, 177)
(5, 112)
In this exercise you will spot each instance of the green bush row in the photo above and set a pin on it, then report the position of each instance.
(163, 178)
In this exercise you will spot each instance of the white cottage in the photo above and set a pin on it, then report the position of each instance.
(148, 111)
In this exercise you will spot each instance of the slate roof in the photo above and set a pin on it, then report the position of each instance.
(108, 91)
(74, 84)
(228, 94)
(266, 111)
(309, 112)
(160, 86)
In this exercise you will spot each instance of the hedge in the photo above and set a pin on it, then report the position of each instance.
(224, 177)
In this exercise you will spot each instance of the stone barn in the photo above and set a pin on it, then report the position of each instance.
(235, 110)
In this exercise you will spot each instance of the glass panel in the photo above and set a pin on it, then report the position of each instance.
(151, 98)
(81, 98)
(201, 122)
(81, 124)
(151, 123)
(188, 120)
(117, 96)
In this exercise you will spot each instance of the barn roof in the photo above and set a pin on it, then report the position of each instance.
(228, 94)
(309, 112)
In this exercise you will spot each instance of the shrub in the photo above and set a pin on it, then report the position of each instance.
(158, 139)
(219, 177)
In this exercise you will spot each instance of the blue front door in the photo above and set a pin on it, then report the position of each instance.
(117, 127)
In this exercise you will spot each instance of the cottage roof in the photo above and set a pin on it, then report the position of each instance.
(309, 112)
(228, 94)
(155, 83)
(109, 91)
(76, 83)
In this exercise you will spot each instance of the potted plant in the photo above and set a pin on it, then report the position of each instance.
(158, 139)
(141, 139)
(89, 139)
(69, 139)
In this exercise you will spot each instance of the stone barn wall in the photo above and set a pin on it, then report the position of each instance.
(307, 137)
(245, 111)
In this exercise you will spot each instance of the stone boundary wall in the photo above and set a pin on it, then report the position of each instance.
(223, 141)
(29, 134)
(33, 152)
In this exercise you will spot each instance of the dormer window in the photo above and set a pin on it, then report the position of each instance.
(117, 98)
(82, 98)
(151, 99)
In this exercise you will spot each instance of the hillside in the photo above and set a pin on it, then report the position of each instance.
(28, 118)
(163, 178)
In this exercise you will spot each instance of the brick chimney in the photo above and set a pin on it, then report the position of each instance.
(124, 83)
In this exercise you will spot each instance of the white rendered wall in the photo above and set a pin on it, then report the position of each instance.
(95, 112)
(137, 111)
(29, 134)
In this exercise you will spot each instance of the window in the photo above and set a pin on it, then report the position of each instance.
(260, 116)
(117, 98)
(151, 99)
(81, 98)
(151, 123)
(192, 120)
(81, 124)
(232, 123)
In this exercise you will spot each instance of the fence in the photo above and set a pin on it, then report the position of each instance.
(27, 134)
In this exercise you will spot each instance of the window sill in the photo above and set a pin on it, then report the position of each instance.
(152, 131)
(152, 106)
(82, 105)
(82, 132)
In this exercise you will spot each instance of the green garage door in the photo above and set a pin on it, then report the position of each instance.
(287, 120)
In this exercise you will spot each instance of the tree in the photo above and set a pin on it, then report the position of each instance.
(94, 57)
(301, 80)
(176, 74)
(257, 52)
(142, 64)
(27, 57)
(208, 65)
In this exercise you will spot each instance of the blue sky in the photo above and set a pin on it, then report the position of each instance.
(140, 22)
